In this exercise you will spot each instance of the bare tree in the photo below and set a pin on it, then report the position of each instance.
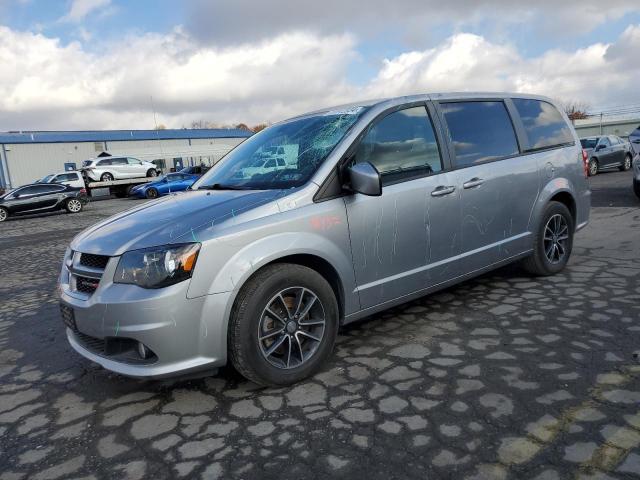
(259, 127)
(576, 110)
(161, 126)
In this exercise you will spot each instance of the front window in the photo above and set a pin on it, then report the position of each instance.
(303, 144)
(46, 179)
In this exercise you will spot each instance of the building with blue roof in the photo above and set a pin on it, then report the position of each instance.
(29, 155)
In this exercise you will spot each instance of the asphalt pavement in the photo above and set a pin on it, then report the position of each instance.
(503, 376)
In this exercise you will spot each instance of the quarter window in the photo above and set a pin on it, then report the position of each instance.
(133, 161)
(401, 146)
(479, 131)
(544, 125)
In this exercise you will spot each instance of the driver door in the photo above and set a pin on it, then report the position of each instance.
(401, 241)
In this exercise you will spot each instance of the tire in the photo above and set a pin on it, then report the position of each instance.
(4, 214)
(636, 188)
(249, 318)
(539, 263)
(106, 177)
(151, 193)
(593, 167)
(73, 205)
(121, 194)
(152, 173)
(626, 165)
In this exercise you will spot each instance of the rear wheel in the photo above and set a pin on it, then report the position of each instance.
(636, 188)
(593, 167)
(152, 193)
(283, 325)
(553, 241)
(4, 214)
(626, 165)
(73, 205)
(106, 177)
(152, 173)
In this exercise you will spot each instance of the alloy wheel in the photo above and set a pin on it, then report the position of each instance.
(593, 167)
(291, 327)
(627, 163)
(556, 238)
(3, 215)
(74, 206)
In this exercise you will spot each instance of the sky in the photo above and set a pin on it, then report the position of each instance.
(112, 64)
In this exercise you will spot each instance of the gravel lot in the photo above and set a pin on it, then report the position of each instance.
(504, 376)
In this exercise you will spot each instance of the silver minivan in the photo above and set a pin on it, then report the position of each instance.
(379, 203)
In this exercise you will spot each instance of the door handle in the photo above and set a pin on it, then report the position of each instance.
(474, 182)
(442, 190)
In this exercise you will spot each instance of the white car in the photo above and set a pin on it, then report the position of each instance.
(107, 169)
(262, 166)
(73, 179)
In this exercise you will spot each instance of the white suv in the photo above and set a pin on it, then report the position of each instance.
(73, 179)
(117, 168)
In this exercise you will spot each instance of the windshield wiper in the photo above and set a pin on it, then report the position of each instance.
(220, 186)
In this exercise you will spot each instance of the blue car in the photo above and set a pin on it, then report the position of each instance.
(172, 182)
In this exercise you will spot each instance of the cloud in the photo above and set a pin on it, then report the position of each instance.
(81, 8)
(221, 21)
(65, 86)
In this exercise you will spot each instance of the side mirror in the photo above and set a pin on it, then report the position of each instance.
(365, 179)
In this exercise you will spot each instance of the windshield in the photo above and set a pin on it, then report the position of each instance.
(589, 142)
(45, 179)
(283, 156)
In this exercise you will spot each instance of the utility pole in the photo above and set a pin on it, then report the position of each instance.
(600, 123)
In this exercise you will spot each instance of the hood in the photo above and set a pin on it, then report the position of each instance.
(172, 219)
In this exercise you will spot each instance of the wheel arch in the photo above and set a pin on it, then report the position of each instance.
(556, 190)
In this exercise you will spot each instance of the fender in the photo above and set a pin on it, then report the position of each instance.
(548, 191)
(231, 260)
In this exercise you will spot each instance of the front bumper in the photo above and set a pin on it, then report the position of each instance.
(183, 334)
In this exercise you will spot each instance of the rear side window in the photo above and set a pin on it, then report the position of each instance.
(401, 146)
(480, 131)
(119, 161)
(544, 125)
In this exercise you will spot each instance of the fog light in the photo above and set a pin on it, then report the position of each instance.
(142, 350)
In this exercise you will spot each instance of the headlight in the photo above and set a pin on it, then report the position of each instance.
(157, 267)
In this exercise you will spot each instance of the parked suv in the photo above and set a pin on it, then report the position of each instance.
(634, 139)
(117, 168)
(607, 151)
(383, 202)
(72, 178)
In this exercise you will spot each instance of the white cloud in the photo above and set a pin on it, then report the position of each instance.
(56, 86)
(81, 8)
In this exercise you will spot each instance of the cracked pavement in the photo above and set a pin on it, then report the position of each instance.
(503, 376)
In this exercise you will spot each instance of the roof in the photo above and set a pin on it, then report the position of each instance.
(119, 135)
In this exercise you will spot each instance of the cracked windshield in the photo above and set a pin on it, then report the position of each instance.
(283, 156)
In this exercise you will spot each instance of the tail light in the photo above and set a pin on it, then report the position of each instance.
(83, 191)
(585, 163)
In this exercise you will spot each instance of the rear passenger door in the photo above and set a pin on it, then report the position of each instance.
(497, 186)
(402, 240)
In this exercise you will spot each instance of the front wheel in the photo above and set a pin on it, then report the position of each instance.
(283, 325)
(73, 205)
(152, 193)
(4, 214)
(593, 167)
(626, 165)
(552, 242)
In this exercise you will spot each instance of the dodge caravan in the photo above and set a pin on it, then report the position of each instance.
(381, 202)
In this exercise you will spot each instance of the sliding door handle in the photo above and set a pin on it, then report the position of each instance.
(442, 190)
(474, 182)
